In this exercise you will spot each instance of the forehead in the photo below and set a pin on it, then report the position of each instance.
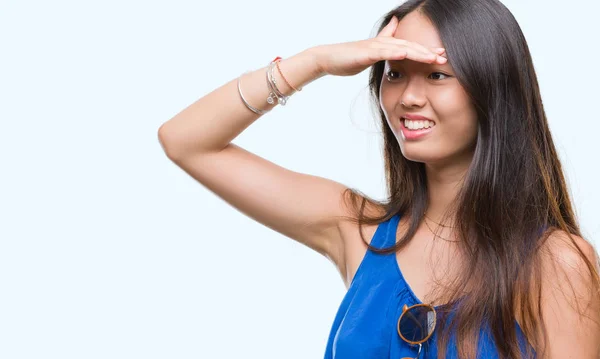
(416, 27)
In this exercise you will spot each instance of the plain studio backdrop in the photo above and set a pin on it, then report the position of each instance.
(109, 250)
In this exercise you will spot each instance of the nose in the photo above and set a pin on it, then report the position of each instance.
(413, 95)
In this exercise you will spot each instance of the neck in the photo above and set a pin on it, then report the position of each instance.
(443, 183)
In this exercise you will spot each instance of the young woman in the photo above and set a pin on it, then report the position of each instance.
(476, 252)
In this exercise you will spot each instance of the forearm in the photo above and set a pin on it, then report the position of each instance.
(213, 121)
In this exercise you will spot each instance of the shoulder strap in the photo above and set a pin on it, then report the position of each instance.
(385, 235)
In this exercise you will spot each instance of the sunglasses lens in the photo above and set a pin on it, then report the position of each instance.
(417, 323)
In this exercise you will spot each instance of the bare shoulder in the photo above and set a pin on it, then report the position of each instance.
(570, 300)
(568, 248)
(563, 256)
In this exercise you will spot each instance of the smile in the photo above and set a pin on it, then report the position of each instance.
(412, 130)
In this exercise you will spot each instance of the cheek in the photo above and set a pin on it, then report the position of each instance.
(456, 111)
(387, 105)
(461, 131)
(385, 100)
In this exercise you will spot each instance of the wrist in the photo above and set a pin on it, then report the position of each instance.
(313, 57)
(300, 69)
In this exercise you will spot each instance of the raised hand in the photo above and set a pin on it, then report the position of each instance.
(351, 58)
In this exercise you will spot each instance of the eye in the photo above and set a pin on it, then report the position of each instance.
(395, 75)
(390, 77)
(440, 73)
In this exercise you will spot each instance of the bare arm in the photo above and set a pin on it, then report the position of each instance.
(212, 122)
(570, 305)
(303, 207)
(198, 139)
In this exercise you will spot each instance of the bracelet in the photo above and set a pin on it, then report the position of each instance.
(277, 59)
(275, 93)
(253, 109)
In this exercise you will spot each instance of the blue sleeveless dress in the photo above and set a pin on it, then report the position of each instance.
(365, 324)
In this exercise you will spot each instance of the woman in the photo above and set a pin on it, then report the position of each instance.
(478, 233)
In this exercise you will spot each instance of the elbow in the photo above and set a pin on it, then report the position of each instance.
(166, 143)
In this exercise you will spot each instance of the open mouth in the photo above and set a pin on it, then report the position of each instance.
(412, 130)
(416, 125)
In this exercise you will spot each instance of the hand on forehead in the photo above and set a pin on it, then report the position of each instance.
(417, 28)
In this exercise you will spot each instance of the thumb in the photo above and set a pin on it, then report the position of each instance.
(390, 28)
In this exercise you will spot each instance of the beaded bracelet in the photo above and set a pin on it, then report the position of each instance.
(275, 93)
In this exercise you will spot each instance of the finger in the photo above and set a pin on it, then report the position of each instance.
(442, 58)
(390, 28)
(429, 50)
(430, 55)
(415, 51)
(417, 46)
(407, 52)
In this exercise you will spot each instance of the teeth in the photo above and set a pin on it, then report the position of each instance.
(417, 125)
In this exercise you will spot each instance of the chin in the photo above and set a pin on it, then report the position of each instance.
(417, 152)
(416, 156)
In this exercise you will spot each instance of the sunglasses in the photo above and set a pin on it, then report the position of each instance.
(416, 324)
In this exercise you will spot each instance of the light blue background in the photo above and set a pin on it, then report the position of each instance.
(108, 250)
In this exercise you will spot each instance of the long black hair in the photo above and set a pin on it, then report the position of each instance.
(514, 194)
